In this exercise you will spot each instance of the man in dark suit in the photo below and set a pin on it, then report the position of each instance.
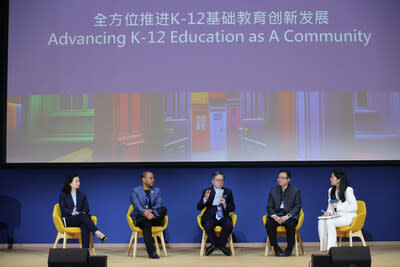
(218, 201)
(284, 204)
(148, 210)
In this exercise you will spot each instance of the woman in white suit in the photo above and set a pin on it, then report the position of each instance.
(342, 202)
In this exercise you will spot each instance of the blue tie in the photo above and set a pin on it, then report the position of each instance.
(219, 215)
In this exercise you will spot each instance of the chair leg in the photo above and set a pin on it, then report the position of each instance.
(351, 238)
(296, 245)
(58, 237)
(231, 244)
(92, 244)
(301, 243)
(163, 244)
(80, 242)
(340, 240)
(135, 245)
(361, 236)
(65, 240)
(266, 247)
(203, 243)
(156, 243)
(130, 244)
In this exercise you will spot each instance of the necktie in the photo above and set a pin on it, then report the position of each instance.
(219, 214)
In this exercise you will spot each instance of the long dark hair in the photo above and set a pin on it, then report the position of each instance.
(344, 183)
(66, 187)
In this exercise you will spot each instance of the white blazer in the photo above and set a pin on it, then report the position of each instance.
(347, 208)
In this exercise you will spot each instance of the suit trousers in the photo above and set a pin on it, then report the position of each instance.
(327, 231)
(290, 226)
(86, 224)
(227, 227)
(146, 224)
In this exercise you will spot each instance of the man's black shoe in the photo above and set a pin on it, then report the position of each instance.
(153, 255)
(226, 251)
(210, 249)
(278, 252)
(286, 253)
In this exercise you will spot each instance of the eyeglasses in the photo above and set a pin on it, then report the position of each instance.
(218, 180)
(283, 178)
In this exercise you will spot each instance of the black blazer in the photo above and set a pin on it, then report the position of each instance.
(212, 210)
(67, 204)
(291, 201)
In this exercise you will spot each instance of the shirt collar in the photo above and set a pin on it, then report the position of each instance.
(284, 189)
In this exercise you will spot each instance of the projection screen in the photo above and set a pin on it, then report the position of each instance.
(195, 81)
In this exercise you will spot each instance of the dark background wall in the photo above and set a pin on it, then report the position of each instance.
(27, 196)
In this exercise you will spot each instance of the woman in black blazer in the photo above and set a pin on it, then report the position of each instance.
(75, 208)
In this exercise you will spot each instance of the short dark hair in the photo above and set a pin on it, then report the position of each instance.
(143, 174)
(288, 174)
(217, 173)
(66, 187)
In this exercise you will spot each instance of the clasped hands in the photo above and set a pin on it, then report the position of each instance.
(281, 219)
(77, 213)
(148, 213)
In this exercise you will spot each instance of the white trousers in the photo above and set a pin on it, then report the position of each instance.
(327, 231)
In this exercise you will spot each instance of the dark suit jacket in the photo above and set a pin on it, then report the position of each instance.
(291, 201)
(212, 210)
(67, 204)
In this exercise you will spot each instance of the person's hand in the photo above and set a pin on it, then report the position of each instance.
(148, 214)
(75, 213)
(222, 201)
(278, 219)
(334, 205)
(285, 218)
(327, 213)
(207, 194)
(147, 211)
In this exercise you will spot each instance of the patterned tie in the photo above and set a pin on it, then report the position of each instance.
(219, 215)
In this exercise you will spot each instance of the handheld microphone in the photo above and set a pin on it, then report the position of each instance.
(332, 201)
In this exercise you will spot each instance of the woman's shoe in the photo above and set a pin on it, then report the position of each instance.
(103, 239)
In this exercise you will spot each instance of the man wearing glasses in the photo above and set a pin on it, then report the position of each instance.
(284, 205)
(218, 201)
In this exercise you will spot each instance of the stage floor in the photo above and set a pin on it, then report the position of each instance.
(382, 256)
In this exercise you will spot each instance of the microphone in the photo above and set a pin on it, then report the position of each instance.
(332, 201)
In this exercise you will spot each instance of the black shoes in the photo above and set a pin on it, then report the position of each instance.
(210, 249)
(286, 253)
(153, 255)
(226, 251)
(278, 252)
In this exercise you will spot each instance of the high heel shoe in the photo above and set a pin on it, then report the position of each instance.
(103, 239)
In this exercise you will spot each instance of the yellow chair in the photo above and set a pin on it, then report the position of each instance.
(69, 232)
(281, 231)
(355, 228)
(217, 230)
(137, 232)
